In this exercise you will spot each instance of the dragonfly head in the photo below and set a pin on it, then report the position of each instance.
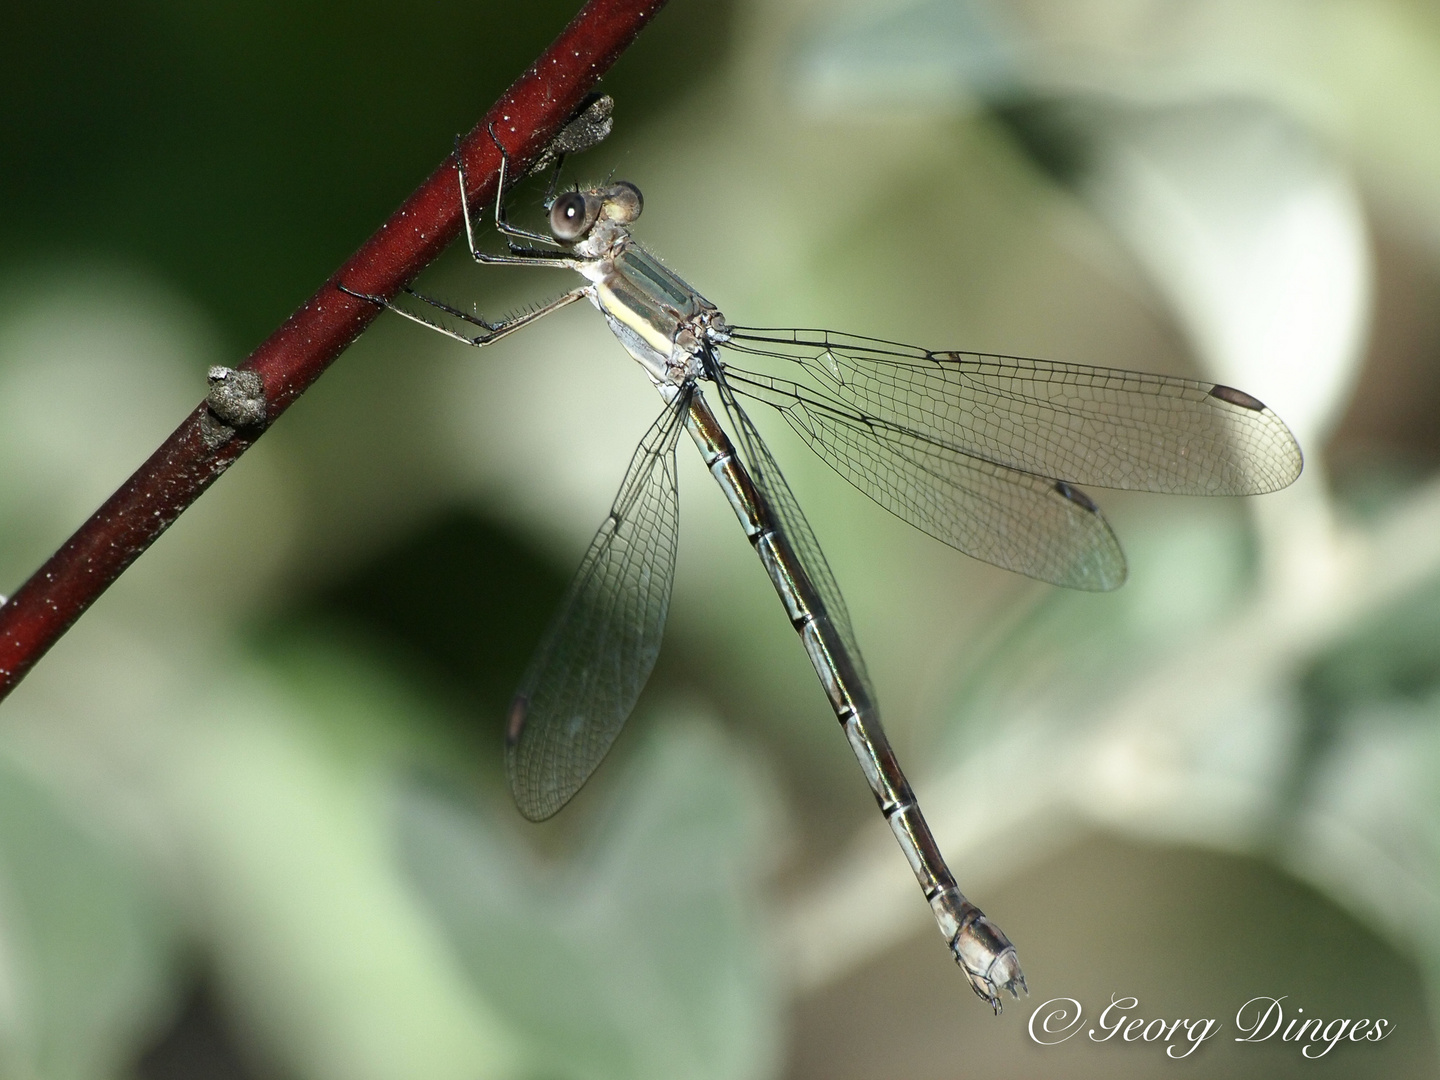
(575, 213)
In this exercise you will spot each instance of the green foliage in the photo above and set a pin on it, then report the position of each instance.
(87, 947)
(269, 759)
(645, 957)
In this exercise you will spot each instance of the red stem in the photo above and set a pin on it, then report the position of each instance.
(525, 118)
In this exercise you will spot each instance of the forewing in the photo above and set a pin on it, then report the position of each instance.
(598, 653)
(1084, 425)
(1034, 525)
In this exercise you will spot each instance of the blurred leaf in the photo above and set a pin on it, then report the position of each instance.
(1074, 652)
(281, 794)
(644, 959)
(1248, 226)
(1392, 657)
(1368, 827)
(1252, 232)
(1367, 824)
(926, 55)
(1363, 73)
(87, 950)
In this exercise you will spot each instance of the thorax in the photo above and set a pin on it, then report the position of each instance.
(662, 321)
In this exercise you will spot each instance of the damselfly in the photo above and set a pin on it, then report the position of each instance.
(982, 452)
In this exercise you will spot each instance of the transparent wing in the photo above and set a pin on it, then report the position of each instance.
(1031, 524)
(782, 502)
(598, 653)
(1079, 424)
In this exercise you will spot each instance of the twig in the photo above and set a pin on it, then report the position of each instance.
(525, 118)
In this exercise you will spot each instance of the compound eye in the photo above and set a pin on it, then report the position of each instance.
(623, 203)
(571, 216)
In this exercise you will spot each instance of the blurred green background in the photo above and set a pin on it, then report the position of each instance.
(252, 817)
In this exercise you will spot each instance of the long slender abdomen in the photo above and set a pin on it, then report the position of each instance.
(979, 947)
